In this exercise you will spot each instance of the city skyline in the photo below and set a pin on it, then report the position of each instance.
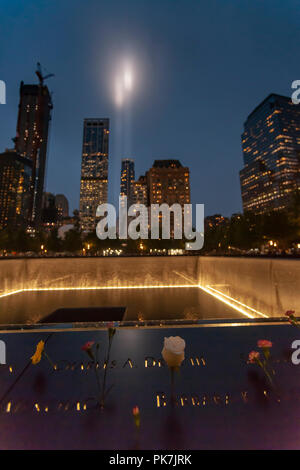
(188, 94)
(268, 180)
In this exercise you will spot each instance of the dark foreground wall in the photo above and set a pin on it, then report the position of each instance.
(271, 286)
(218, 401)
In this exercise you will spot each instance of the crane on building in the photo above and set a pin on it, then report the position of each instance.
(40, 75)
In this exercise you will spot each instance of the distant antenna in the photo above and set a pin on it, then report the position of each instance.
(40, 75)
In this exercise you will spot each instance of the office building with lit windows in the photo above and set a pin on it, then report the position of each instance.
(139, 193)
(32, 139)
(271, 150)
(94, 171)
(15, 184)
(62, 205)
(168, 182)
(127, 179)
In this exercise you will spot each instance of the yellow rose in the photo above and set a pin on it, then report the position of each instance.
(35, 359)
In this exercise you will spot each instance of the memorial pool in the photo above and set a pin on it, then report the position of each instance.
(164, 303)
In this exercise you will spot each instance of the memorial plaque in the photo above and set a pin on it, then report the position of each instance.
(218, 400)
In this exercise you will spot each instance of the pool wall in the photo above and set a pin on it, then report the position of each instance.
(269, 285)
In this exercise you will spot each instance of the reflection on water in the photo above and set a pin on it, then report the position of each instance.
(144, 304)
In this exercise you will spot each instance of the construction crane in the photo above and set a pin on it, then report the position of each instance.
(40, 75)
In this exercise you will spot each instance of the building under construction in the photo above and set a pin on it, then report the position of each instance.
(32, 137)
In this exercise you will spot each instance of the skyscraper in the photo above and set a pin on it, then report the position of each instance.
(168, 182)
(49, 211)
(127, 179)
(271, 148)
(15, 181)
(32, 138)
(94, 171)
(62, 205)
(139, 191)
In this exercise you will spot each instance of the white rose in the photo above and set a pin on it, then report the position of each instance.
(173, 351)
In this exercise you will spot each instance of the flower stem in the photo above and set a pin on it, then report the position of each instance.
(48, 358)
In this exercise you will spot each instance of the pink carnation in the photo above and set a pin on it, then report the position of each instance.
(252, 356)
(87, 345)
(264, 343)
(289, 313)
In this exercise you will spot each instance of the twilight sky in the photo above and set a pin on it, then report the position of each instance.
(200, 67)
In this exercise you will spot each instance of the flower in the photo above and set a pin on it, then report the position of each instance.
(136, 416)
(88, 345)
(111, 331)
(173, 351)
(290, 313)
(35, 359)
(253, 356)
(264, 343)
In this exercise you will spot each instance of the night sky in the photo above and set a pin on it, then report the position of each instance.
(200, 67)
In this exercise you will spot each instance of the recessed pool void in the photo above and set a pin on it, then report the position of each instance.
(189, 302)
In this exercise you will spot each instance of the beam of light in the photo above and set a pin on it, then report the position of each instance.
(128, 78)
(119, 93)
(123, 84)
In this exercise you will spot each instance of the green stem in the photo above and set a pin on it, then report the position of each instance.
(172, 386)
(97, 380)
(47, 357)
(105, 372)
(295, 323)
(264, 368)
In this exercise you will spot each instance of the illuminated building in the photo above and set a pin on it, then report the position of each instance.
(94, 171)
(49, 212)
(32, 137)
(271, 148)
(15, 183)
(168, 182)
(135, 191)
(139, 195)
(139, 191)
(62, 205)
(213, 221)
(127, 178)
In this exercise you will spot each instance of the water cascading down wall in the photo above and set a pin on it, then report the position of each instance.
(270, 286)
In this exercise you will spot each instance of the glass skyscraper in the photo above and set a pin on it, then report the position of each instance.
(127, 179)
(271, 150)
(94, 171)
